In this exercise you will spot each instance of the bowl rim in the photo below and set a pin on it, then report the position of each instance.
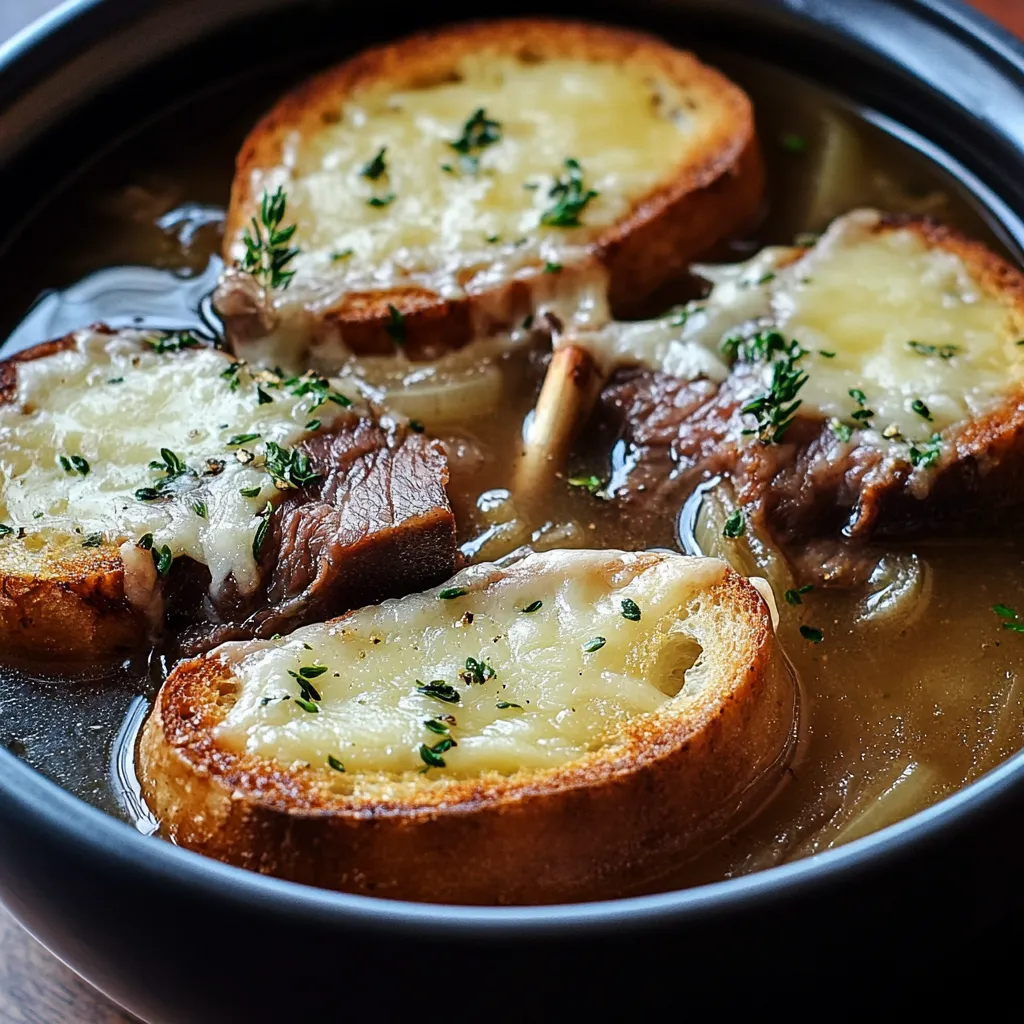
(30, 54)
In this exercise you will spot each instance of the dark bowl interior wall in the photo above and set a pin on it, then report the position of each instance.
(176, 938)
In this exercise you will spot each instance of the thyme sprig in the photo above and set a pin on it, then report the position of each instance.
(479, 132)
(775, 409)
(571, 198)
(267, 252)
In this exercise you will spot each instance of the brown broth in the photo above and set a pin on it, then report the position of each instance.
(911, 712)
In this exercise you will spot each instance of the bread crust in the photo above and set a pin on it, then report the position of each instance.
(663, 789)
(710, 196)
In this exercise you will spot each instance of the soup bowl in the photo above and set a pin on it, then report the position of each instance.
(172, 936)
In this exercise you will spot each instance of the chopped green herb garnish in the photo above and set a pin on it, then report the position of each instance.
(304, 677)
(436, 725)
(735, 525)
(478, 671)
(231, 374)
(395, 329)
(116, 380)
(776, 408)
(478, 133)
(532, 607)
(588, 483)
(249, 492)
(313, 425)
(812, 633)
(1012, 620)
(263, 397)
(94, 540)
(335, 763)
(594, 644)
(238, 439)
(74, 464)
(921, 409)
(450, 593)
(307, 705)
(377, 167)
(570, 198)
(199, 507)
(630, 609)
(552, 268)
(319, 388)
(164, 343)
(267, 253)
(842, 430)
(5, 530)
(926, 453)
(417, 426)
(162, 559)
(261, 530)
(439, 690)
(432, 755)
(145, 542)
(795, 597)
(504, 705)
(761, 347)
(288, 468)
(826, 355)
(379, 201)
(942, 351)
(342, 255)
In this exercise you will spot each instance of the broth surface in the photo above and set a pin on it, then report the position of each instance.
(894, 716)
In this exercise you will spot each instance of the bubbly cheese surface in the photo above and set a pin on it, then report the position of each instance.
(87, 429)
(540, 662)
(457, 221)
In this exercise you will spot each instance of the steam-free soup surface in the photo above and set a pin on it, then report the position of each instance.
(896, 713)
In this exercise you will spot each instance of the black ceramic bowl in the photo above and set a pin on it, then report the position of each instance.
(175, 937)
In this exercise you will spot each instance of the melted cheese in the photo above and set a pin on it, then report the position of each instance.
(570, 701)
(862, 295)
(115, 402)
(456, 231)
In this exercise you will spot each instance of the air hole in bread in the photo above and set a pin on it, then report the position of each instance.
(678, 664)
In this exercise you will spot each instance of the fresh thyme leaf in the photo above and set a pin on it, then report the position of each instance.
(858, 396)
(164, 343)
(1004, 611)
(231, 374)
(812, 633)
(735, 526)
(761, 347)
(436, 725)
(5, 530)
(377, 167)
(478, 671)
(378, 201)
(267, 252)
(826, 355)
(921, 409)
(238, 439)
(432, 755)
(570, 198)
(318, 388)
(342, 255)
(307, 705)
(288, 468)
(589, 483)
(478, 133)
(503, 705)
(450, 593)
(94, 540)
(304, 678)
(116, 380)
(313, 425)
(335, 763)
(795, 597)
(926, 453)
(199, 507)
(249, 492)
(145, 542)
(532, 607)
(261, 530)
(793, 143)
(552, 268)
(630, 609)
(395, 330)
(842, 430)
(594, 644)
(263, 397)
(162, 559)
(863, 415)
(942, 351)
(775, 409)
(439, 690)
(74, 464)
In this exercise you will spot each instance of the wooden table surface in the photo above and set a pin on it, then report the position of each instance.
(35, 988)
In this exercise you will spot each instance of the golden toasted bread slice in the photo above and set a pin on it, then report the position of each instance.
(870, 384)
(448, 186)
(554, 730)
(146, 477)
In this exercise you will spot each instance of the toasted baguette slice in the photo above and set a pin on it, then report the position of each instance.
(439, 241)
(911, 411)
(551, 731)
(145, 477)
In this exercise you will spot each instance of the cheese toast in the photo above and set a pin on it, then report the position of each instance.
(450, 186)
(145, 477)
(553, 730)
